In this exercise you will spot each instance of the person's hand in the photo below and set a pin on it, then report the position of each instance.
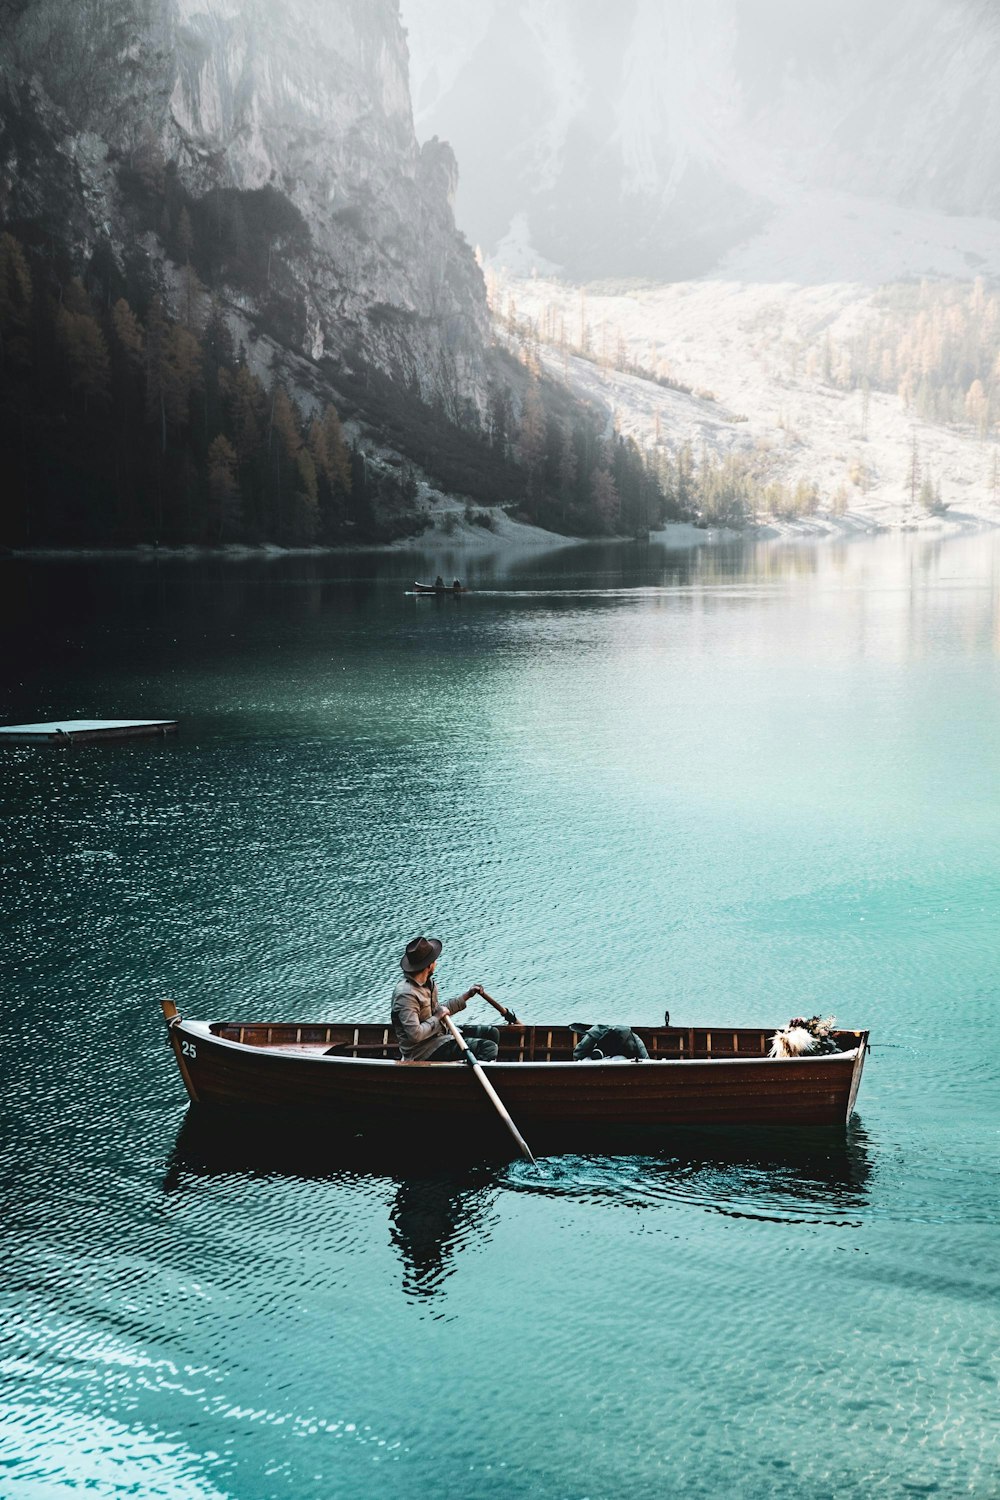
(476, 989)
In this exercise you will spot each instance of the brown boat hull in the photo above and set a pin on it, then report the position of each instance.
(543, 1097)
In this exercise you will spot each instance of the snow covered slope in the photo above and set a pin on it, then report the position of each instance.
(755, 346)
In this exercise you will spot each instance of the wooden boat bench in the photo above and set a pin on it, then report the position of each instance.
(314, 1041)
(530, 1044)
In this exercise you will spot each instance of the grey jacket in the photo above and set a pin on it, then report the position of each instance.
(417, 1019)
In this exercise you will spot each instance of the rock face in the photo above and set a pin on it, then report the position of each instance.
(649, 137)
(303, 104)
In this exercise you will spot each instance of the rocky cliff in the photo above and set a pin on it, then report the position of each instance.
(262, 151)
(285, 135)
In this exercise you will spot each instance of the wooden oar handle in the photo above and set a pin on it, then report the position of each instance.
(508, 1015)
(490, 1091)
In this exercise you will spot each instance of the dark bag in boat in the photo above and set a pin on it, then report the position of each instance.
(607, 1041)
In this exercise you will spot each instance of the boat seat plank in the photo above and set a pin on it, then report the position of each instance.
(535, 1044)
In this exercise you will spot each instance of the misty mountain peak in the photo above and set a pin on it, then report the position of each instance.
(652, 137)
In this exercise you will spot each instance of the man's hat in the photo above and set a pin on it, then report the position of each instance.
(420, 954)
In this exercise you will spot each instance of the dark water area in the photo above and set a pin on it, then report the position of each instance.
(740, 783)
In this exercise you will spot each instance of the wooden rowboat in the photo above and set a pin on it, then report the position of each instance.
(438, 588)
(693, 1076)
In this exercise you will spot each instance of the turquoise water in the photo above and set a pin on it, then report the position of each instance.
(741, 784)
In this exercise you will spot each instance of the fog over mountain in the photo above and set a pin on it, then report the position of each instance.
(651, 136)
(764, 234)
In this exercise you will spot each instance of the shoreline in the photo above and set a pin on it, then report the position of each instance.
(512, 536)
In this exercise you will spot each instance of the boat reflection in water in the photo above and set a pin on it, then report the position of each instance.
(432, 1218)
(433, 1211)
(790, 1175)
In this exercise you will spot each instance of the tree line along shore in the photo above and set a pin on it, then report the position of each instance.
(129, 414)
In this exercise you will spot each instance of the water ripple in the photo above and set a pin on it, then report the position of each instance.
(734, 785)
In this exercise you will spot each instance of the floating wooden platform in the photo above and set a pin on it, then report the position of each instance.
(69, 731)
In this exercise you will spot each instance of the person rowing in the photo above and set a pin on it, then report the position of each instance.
(418, 1016)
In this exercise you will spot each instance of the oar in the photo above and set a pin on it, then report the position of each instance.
(476, 1067)
(508, 1015)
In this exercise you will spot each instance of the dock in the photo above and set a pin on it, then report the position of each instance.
(77, 731)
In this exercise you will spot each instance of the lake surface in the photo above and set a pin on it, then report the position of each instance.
(740, 783)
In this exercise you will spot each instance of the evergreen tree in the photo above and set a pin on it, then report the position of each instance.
(332, 463)
(224, 491)
(499, 419)
(567, 472)
(128, 333)
(193, 300)
(305, 519)
(914, 471)
(684, 482)
(86, 353)
(157, 333)
(16, 294)
(606, 498)
(338, 456)
(181, 374)
(284, 445)
(185, 236)
(248, 414)
(531, 439)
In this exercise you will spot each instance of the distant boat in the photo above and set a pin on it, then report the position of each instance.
(439, 588)
(718, 1075)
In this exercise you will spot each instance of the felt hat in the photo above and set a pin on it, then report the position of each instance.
(420, 954)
